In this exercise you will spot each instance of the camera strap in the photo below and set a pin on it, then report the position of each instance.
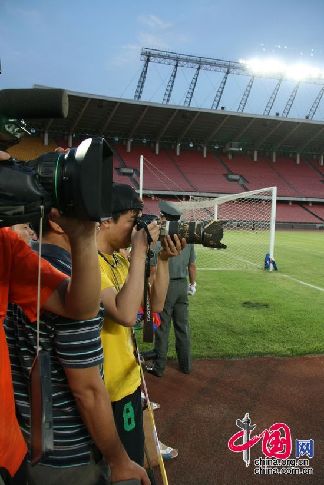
(148, 317)
(40, 384)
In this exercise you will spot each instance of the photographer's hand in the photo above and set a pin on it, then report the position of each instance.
(139, 238)
(4, 156)
(128, 470)
(171, 247)
(74, 228)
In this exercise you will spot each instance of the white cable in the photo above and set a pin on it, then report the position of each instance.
(39, 274)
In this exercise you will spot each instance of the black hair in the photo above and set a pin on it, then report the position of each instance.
(116, 215)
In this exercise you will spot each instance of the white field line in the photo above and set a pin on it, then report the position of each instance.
(216, 269)
(301, 282)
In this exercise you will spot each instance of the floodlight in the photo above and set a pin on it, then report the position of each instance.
(272, 66)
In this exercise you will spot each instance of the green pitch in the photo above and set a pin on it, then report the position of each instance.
(254, 313)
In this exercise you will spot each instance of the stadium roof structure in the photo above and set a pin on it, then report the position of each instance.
(123, 120)
(253, 68)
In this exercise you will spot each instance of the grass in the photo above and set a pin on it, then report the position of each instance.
(255, 313)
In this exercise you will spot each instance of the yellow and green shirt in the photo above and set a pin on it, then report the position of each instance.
(121, 370)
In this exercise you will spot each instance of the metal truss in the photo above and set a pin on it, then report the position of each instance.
(315, 104)
(220, 90)
(183, 60)
(246, 95)
(290, 101)
(141, 81)
(169, 88)
(272, 98)
(192, 88)
(209, 64)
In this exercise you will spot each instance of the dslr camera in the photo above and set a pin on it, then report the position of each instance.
(78, 182)
(207, 233)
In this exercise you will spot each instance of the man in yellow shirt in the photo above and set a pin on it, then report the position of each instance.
(122, 284)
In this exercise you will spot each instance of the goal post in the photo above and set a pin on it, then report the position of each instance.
(249, 227)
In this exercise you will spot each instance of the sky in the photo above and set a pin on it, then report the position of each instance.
(94, 46)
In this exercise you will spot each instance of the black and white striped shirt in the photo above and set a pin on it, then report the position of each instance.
(71, 344)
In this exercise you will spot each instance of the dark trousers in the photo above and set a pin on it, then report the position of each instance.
(95, 473)
(128, 414)
(175, 309)
(20, 477)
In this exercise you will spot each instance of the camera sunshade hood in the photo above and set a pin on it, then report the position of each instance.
(83, 180)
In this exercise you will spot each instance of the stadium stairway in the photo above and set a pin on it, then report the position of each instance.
(294, 213)
(317, 210)
(314, 165)
(229, 171)
(183, 174)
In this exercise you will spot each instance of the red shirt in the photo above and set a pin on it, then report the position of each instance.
(18, 284)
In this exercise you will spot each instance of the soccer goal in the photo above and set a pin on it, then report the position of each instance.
(249, 228)
(249, 223)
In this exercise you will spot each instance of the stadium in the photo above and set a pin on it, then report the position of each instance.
(251, 328)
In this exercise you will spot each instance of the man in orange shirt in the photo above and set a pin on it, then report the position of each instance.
(75, 298)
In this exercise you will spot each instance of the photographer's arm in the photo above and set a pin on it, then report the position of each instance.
(95, 409)
(122, 306)
(80, 298)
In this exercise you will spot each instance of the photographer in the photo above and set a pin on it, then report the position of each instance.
(81, 405)
(176, 304)
(122, 293)
(74, 298)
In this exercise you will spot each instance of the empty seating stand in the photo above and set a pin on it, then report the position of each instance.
(160, 172)
(303, 177)
(260, 174)
(191, 172)
(204, 174)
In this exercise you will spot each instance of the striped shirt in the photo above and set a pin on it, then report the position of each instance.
(71, 344)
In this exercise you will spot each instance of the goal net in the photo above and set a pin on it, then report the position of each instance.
(249, 221)
(249, 228)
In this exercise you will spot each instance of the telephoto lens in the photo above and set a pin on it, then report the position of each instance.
(207, 233)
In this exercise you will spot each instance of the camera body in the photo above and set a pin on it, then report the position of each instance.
(146, 219)
(78, 183)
